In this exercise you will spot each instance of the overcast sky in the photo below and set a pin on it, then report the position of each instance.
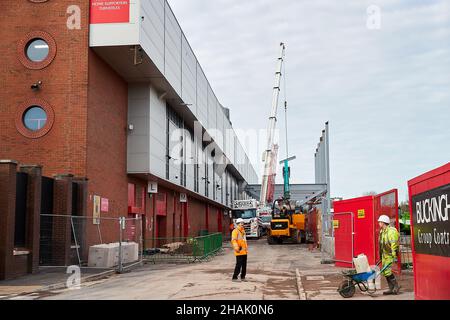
(385, 92)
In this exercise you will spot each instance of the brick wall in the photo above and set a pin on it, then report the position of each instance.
(15, 262)
(7, 217)
(62, 228)
(64, 86)
(107, 137)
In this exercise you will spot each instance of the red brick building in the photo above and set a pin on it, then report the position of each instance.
(97, 91)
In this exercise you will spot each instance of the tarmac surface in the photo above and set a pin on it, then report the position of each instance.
(280, 272)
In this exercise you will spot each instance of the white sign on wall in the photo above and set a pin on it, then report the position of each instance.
(183, 197)
(152, 187)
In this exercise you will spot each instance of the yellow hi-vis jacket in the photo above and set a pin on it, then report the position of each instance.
(239, 242)
(388, 242)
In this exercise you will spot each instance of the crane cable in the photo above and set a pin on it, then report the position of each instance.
(285, 107)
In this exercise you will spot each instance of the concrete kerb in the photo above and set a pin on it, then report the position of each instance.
(300, 290)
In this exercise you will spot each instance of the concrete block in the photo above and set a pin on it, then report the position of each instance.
(107, 255)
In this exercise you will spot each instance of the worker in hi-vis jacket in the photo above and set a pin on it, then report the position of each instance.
(388, 244)
(239, 243)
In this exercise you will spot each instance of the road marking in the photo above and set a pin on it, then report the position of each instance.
(301, 291)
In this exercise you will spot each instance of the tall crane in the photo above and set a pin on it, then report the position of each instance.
(287, 224)
(271, 152)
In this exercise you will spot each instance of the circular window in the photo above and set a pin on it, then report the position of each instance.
(37, 50)
(35, 118)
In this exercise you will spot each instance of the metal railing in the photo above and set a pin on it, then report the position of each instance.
(183, 250)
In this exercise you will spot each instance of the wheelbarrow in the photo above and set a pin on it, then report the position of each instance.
(347, 288)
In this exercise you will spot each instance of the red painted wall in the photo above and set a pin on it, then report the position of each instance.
(431, 272)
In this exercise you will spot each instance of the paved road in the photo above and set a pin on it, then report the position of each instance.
(271, 273)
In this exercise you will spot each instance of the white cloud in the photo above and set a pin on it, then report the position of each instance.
(386, 93)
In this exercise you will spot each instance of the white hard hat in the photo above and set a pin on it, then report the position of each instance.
(384, 219)
(240, 220)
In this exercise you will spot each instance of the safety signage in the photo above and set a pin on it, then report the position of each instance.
(361, 214)
(431, 211)
(152, 187)
(336, 224)
(105, 205)
(96, 212)
(110, 11)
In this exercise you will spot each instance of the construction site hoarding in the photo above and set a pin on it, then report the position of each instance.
(429, 196)
(354, 230)
(356, 227)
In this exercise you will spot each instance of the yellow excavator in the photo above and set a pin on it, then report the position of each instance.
(288, 221)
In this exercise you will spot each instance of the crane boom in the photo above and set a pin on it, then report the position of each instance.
(270, 154)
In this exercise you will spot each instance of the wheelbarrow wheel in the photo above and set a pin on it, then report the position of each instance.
(347, 289)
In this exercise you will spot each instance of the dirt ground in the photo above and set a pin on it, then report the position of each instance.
(280, 272)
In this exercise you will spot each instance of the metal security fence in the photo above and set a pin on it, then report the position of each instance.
(405, 251)
(88, 242)
(183, 250)
(209, 245)
(326, 234)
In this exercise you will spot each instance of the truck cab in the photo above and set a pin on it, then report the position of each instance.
(265, 218)
(247, 210)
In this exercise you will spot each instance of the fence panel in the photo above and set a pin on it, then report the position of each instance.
(88, 242)
(183, 250)
(405, 251)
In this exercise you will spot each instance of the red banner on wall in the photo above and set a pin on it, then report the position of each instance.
(110, 11)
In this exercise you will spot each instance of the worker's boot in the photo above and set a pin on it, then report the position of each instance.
(391, 286)
(396, 287)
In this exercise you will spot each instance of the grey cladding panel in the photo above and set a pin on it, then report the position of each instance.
(173, 51)
(212, 109)
(202, 97)
(152, 31)
(138, 115)
(158, 139)
(220, 128)
(189, 75)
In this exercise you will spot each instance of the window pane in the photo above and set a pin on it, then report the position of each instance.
(37, 50)
(35, 118)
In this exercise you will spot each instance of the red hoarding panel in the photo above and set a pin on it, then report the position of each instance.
(386, 204)
(311, 227)
(110, 11)
(430, 226)
(363, 215)
(343, 239)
